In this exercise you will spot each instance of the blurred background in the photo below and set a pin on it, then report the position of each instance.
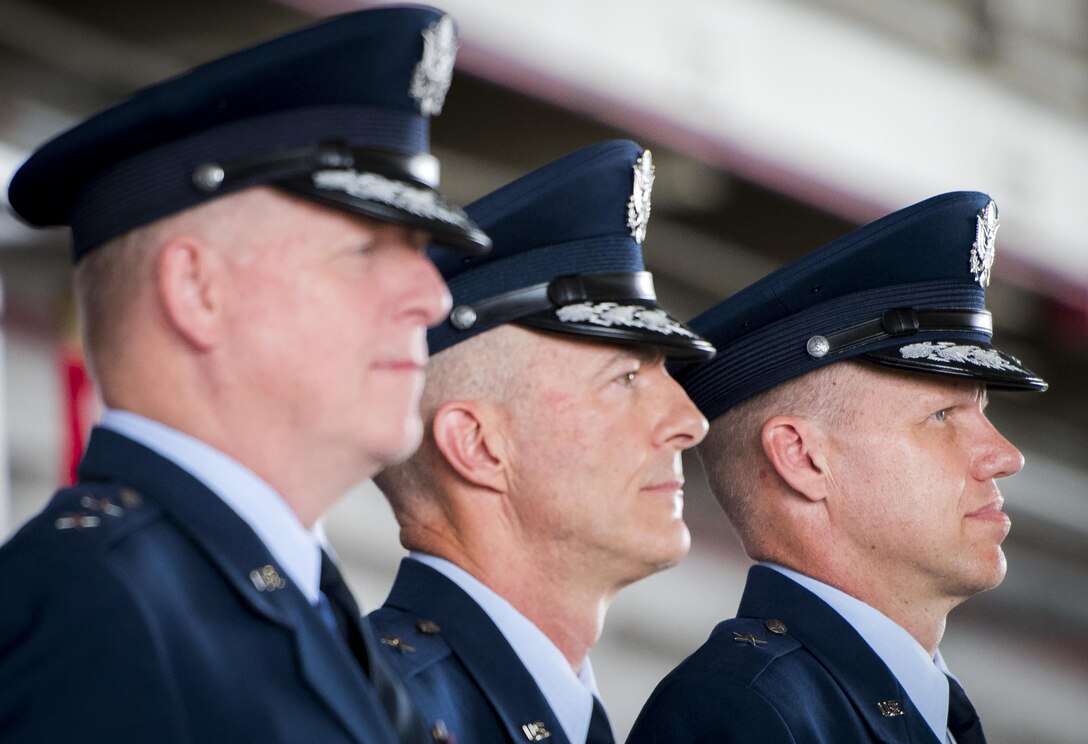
(776, 125)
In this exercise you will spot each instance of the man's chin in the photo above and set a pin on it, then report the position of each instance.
(667, 557)
(406, 446)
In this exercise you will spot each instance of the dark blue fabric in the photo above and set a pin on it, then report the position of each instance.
(147, 625)
(963, 720)
(819, 683)
(918, 257)
(465, 674)
(569, 217)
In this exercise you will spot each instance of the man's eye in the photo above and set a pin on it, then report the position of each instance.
(941, 415)
(629, 378)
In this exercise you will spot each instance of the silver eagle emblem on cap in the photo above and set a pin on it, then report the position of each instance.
(638, 206)
(434, 72)
(982, 252)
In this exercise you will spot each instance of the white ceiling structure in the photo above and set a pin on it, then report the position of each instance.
(814, 103)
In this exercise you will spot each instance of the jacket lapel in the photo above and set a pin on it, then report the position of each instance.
(876, 694)
(483, 651)
(246, 565)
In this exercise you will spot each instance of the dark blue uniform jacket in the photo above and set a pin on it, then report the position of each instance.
(138, 607)
(456, 664)
(788, 669)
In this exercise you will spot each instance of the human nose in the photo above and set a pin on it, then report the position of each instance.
(997, 456)
(427, 298)
(684, 426)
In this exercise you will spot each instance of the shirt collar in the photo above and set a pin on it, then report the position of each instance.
(570, 695)
(296, 549)
(921, 676)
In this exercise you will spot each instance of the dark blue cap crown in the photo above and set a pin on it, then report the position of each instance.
(336, 112)
(567, 256)
(906, 291)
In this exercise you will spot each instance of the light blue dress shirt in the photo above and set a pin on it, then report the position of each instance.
(296, 549)
(570, 695)
(922, 676)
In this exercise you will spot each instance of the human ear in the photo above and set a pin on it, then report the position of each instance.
(469, 443)
(188, 275)
(796, 448)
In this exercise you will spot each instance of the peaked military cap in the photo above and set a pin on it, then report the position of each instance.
(337, 113)
(567, 256)
(907, 291)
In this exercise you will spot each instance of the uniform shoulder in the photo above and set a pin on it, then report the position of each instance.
(410, 644)
(715, 690)
(78, 523)
(743, 647)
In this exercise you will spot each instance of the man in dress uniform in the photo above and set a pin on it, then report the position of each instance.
(550, 474)
(249, 244)
(850, 449)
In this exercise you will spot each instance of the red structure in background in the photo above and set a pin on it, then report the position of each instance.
(77, 409)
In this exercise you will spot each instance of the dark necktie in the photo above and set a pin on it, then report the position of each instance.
(962, 719)
(354, 628)
(600, 732)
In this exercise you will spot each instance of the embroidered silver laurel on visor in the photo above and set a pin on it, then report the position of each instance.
(638, 206)
(949, 352)
(434, 71)
(611, 314)
(982, 252)
(372, 187)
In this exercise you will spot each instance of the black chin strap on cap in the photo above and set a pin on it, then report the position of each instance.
(417, 168)
(903, 321)
(637, 286)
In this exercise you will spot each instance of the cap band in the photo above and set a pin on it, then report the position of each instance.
(903, 321)
(420, 168)
(560, 291)
(159, 182)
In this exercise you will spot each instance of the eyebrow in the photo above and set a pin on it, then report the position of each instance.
(643, 353)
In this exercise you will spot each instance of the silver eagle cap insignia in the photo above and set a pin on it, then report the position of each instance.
(982, 252)
(638, 206)
(433, 73)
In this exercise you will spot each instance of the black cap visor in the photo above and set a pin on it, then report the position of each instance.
(392, 200)
(391, 186)
(958, 358)
(631, 323)
(620, 306)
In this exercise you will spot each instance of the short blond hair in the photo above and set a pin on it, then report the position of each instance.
(108, 283)
(732, 452)
(483, 368)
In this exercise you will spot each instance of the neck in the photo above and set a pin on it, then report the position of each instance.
(571, 616)
(567, 608)
(923, 616)
(309, 491)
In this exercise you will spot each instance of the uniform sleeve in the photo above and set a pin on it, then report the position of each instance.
(699, 709)
(79, 662)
